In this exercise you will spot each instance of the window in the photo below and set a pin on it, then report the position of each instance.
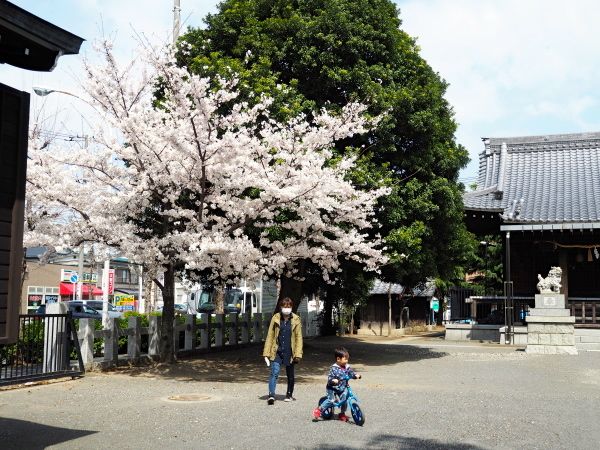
(35, 289)
(41, 295)
(122, 276)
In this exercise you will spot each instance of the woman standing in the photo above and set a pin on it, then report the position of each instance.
(283, 347)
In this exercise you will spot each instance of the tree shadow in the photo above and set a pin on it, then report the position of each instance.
(20, 434)
(246, 365)
(386, 441)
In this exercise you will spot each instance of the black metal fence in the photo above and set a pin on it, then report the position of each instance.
(586, 311)
(47, 347)
(459, 309)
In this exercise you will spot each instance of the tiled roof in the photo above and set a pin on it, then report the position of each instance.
(540, 179)
(425, 289)
(35, 252)
(380, 287)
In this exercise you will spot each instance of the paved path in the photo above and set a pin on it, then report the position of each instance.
(417, 393)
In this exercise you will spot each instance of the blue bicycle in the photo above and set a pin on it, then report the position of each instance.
(351, 400)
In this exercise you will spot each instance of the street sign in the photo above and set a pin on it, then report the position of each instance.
(111, 281)
(74, 278)
(435, 304)
(87, 277)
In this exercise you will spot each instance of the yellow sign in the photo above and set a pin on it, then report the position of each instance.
(124, 302)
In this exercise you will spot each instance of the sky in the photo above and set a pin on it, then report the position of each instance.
(514, 67)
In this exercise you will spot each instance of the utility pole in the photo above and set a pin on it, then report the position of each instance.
(80, 273)
(105, 293)
(176, 19)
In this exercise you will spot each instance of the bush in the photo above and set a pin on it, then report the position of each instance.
(31, 342)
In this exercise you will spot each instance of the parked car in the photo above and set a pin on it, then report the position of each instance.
(77, 308)
(97, 305)
(81, 311)
(180, 308)
(232, 301)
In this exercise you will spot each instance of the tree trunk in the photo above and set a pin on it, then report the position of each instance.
(291, 288)
(328, 329)
(390, 310)
(219, 300)
(149, 294)
(167, 347)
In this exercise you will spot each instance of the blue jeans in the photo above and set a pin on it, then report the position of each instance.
(331, 395)
(289, 371)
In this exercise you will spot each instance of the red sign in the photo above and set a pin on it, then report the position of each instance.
(111, 281)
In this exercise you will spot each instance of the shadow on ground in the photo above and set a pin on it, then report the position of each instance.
(386, 441)
(246, 365)
(20, 434)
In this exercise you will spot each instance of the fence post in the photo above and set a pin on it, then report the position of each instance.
(257, 327)
(190, 332)
(54, 336)
(245, 327)
(153, 335)
(111, 341)
(265, 327)
(233, 328)
(304, 321)
(219, 330)
(86, 328)
(205, 330)
(134, 337)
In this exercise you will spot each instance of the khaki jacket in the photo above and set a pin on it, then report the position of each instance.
(270, 348)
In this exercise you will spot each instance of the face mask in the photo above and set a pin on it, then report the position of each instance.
(286, 311)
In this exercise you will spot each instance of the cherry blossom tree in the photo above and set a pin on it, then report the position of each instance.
(183, 177)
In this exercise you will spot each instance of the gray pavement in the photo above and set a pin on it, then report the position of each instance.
(416, 392)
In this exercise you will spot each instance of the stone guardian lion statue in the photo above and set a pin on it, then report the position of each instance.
(550, 284)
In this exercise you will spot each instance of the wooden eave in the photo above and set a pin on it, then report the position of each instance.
(31, 43)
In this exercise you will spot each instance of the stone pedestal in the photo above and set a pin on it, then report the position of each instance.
(550, 327)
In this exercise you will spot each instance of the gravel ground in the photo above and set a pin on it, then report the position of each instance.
(416, 392)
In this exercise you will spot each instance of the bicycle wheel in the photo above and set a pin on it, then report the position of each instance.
(357, 414)
(327, 413)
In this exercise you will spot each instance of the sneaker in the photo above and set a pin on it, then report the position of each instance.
(343, 417)
(289, 398)
(271, 400)
(316, 413)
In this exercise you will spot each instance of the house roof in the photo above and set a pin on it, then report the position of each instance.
(31, 43)
(539, 179)
(35, 252)
(381, 287)
(425, 289)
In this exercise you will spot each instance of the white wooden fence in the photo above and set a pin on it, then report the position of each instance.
(204, 334)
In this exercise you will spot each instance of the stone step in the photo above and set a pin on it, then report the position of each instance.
(550, 319)
(587, 339)
(588, 332)
(551, 349)
(588, 346)
(549, 312)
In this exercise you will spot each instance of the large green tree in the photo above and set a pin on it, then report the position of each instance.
(312, 54)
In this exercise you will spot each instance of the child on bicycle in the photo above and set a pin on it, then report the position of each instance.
(337, 384)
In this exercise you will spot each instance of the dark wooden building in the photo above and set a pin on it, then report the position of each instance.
(31, 43)
(542, 194)
(406, 305)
